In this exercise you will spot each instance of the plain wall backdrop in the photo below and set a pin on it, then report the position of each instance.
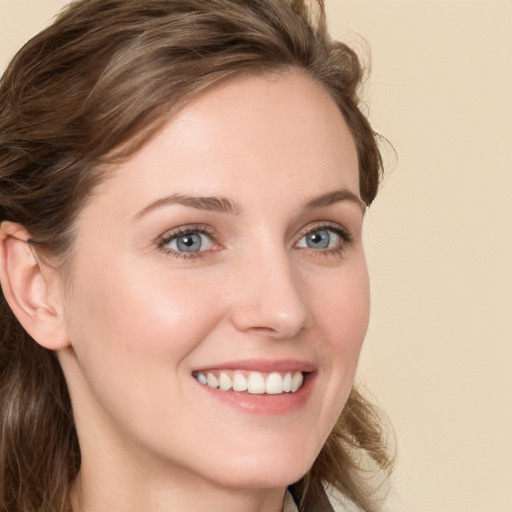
(438, 356)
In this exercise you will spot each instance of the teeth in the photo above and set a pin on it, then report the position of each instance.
(297, 381)
(256, 383)
(224, 382)
(212, 381)
(274, 384)
(287, 383)
(239, 382)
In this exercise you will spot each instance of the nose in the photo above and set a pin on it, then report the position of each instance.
(269, 298)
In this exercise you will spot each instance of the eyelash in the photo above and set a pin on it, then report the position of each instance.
(346, 239)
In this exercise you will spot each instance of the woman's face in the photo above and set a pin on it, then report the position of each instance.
(228, 249)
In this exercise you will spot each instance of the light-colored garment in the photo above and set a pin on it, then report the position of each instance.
(289, 504)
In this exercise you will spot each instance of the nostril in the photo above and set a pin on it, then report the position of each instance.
(261, 330)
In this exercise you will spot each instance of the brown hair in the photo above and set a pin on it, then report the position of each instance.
(91, 89)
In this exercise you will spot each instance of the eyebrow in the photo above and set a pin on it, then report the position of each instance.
(221, 204)
(211, 204)
(335, 197)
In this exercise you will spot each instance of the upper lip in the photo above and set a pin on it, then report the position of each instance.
(263, 365)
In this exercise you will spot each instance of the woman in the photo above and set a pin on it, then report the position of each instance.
(185, 294)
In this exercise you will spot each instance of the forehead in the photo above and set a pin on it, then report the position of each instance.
(249, 135)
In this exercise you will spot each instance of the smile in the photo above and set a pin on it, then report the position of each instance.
(256, 383)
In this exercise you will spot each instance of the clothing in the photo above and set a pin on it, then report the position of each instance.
(318, 504)
(289, 504)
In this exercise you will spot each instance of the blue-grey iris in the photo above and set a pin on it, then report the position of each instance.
(318, 239)
(189, 243)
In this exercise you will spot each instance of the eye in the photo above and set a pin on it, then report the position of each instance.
(319, 239)
(324, 238)
(185, 242)
(193, 242)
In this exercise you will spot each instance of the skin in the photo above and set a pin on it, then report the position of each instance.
(139, 318)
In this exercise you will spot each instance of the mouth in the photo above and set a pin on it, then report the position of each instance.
(252, 382)
(260, 386)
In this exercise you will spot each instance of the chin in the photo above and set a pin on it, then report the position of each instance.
(268, 477)
(265, 469)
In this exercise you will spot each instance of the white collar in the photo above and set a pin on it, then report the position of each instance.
(289, 504)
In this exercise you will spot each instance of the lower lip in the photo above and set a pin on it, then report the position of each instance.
(263, 404)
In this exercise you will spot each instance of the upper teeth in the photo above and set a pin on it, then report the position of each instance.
(255, 382)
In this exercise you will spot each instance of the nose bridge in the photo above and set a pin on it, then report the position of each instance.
(271, 298)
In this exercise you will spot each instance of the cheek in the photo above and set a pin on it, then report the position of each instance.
(132, 333)
(342, 316)
(342, 308)
(140, 311)
(137, 328)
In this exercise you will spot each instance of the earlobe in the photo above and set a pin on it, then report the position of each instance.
(29, 288)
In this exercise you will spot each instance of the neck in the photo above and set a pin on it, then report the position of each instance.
(97, 489)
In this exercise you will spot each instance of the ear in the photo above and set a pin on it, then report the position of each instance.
(31, 288)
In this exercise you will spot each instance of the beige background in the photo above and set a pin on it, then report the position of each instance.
(438, 356)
